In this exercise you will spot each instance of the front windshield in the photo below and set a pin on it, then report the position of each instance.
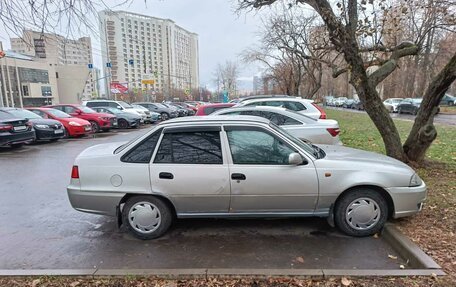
(305, 146)
(58, 113)
(125, 105)
(86, 110)
(24, 114)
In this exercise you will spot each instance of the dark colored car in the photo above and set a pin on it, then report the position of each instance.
(165, 112)
(124, 120)
(209, 109)
(180, 111)
(190, 111)
(14, 132)
(74, 127)
(409, 106)
(188, 106)
(45, 129)
(448, 100)
(98, 121)
(357, 105)
(348, 104)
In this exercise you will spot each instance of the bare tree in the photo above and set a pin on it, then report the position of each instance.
(356, 30)
(225, 77)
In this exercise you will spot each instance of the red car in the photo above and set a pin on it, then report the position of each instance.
(98, 121)
(73, 126)
(205, 110)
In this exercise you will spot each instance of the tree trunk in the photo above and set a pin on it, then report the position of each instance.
(423, 132)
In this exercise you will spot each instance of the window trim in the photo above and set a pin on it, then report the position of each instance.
(192, 129)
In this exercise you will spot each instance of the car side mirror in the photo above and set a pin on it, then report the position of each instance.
(78, 112)
(119, 107)
(295, 159)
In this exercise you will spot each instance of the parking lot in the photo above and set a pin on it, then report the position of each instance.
(40, 230)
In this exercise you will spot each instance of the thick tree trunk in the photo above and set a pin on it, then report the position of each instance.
(423, 132)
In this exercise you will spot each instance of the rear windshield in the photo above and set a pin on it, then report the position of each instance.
(24, 114)
(5, 116)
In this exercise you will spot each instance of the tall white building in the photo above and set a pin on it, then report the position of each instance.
(57, 50)
(139, 47)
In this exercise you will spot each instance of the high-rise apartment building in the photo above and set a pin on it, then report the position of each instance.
(57, 50)
(140, 47)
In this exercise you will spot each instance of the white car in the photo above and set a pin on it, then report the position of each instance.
(338, 102)
(299, 125)
(300, 105)
(236, 167)
(391, 104)
(121, 105)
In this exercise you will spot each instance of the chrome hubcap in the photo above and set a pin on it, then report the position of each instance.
(362, 213)
(144, 217)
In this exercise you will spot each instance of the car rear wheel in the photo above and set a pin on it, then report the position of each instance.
(95, 126)
(361, 212)
(147, 217)
(123, 124)
(164, 116)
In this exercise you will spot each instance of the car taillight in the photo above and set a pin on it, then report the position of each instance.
(75, 172)
(4, 128)
(322, 112)
(333, 131)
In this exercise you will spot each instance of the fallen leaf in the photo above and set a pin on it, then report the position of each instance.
(345, 281)
(300, 259)
(376, 235)
(392, 257)
(35, 282)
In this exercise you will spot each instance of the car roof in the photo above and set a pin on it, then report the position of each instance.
(281, 110)
(9, 109)
(277, 99)
(217, 119)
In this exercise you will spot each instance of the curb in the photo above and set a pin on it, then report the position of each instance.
(407, 249)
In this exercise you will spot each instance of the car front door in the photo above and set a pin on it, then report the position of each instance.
(190, 169)
(262, 181)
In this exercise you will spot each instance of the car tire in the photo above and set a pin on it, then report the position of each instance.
(152, 211)
(95, 126)
(123, 124)
(361, 212)
(415, 112)
(164, 116)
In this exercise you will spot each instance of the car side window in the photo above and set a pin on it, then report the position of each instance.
(142, 153)
(294, 106)
(69, 109)
(40, 113)
(273, 104)
(282, 120)
(190, 148)
(257, 146)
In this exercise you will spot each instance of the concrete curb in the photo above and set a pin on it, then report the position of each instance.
(407, 249)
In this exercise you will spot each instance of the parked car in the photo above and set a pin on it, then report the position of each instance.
(98, 121)
(357, 105)
(299, 125)
(124, 120)
(328, 101)
(73, 127)
(45, 129)
(306, 107)
(409, 106)
(121, 105)
(14, 131)
(448, 100)
(338, 102)
(180, 111)
(210, 108)
(188, 106)
(234, 167)
(391, 104)
(150, 117)
(165, 112)
(348, 104)
(188, 110)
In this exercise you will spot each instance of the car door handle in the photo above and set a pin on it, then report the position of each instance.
(238, 176)
(166, 175)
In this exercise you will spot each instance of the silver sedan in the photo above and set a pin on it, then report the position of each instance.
(236, 167)
(299, 125)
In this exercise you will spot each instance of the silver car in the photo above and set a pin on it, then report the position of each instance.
(239, 167)
(297, 124)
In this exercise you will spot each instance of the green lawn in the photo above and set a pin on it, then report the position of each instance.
(357, 130)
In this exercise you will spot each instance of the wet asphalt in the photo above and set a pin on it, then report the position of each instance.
(40, 230)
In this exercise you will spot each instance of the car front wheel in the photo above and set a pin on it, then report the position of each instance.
(147, 217)
(361, 212)
(95, 126)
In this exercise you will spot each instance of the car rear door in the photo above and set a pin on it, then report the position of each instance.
(190, 169)
(262, 181)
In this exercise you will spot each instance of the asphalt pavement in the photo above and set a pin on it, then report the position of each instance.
(40, 230)
(443, 119)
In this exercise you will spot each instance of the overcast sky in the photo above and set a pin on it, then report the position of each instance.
(223, 35)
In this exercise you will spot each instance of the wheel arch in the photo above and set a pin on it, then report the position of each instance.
(380, 190)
